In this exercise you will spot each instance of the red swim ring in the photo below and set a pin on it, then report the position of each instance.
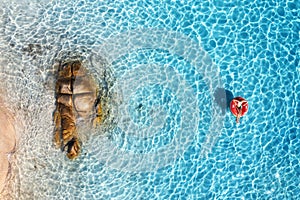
(238, 107)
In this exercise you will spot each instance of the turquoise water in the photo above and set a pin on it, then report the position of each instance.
(170, 65)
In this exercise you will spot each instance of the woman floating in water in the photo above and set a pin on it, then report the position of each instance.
(238, 107)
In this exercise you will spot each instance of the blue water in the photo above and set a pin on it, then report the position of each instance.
(172, 138)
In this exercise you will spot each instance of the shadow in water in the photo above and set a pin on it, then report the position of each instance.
(223, 98)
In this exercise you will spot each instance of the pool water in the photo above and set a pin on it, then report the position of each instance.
(172, 66)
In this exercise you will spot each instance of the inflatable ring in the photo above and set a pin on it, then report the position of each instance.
(238, 107)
